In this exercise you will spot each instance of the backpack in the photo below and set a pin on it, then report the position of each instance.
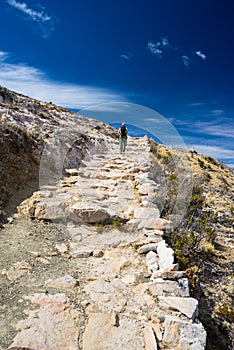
(123, 131)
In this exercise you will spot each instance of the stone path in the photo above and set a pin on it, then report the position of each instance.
(129, 294)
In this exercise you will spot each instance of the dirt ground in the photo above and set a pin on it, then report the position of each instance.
(32, 242)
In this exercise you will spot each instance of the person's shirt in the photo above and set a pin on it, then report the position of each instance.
(123, 133)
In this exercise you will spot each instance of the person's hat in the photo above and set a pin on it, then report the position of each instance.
(123, 123)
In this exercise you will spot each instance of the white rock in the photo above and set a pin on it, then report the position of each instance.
(81, 252)
(94, 215)
(156, 223)
(161, 287)
(101, 334)
(65, 282)
(166, 255)
(53, 326)
(150, 341)
(62, 248)
(147, 248)
(152, 261)
(183, 335)
(146, 213)
(187, 306)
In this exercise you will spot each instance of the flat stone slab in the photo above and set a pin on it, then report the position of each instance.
(106, 294)
(92, 215)
(147, 248)
(102, 333)
(157, 224)
(72, 171)
(50, 210)
(187, 306)
(146, 213)
(170, 288)
(173, 275)
(65, 282)
(180, 334)
(52, 327)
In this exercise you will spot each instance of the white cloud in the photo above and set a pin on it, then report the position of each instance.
(200, 54)
(215, 129)
(34, 83)
(154, 48)
(153, 120)
(34, 15)
(158, 47)
(214, 151)
(127, 56)
(186, 60)
(3, 55)
(197, 104)
(216, 112)
(44, 21)
(164, 42)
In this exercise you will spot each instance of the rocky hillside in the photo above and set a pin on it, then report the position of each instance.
(101, 250)
(25, 126)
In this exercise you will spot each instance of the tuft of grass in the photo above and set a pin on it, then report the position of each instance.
(117, 223)
(227, 312)
(207, 247)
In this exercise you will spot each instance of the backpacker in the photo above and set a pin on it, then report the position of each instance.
(123, 131)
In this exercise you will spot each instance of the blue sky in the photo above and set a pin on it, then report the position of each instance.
(173, 56)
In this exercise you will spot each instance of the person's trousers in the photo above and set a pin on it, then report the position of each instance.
(122, 143)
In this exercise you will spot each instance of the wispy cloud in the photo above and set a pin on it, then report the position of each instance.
(154, 48)
(200, 54)
(127, 56)
(186, 60)
(164, 42)
(197, 104)
(216, 112)
(158, 48)
(3, 55)
(46, 22)
(214, 151)
(222, 128)
(34, 15)
(34, 83)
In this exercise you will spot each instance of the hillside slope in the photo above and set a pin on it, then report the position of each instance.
(81, 234)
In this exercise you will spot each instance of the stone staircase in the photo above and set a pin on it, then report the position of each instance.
(130, 293)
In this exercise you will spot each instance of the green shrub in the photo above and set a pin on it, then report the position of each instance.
(172, 177)
(117, 223)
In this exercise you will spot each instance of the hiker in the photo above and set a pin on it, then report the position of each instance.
(123, 134)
